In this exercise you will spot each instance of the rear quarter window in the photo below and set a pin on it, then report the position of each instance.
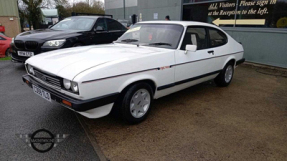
(216, 37)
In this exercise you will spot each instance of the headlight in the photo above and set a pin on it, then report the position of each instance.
(67, 83)
(54, 43)
(75, 87)
(30, 69)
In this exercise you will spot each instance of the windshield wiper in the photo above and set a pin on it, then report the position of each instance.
(160, 43)
(129, 40)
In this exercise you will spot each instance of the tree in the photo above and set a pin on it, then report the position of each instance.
(34, 15)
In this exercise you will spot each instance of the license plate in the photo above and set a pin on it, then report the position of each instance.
(25, 53)
(42, 93)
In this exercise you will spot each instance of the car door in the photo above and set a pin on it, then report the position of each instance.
(101, 34)
(115, 29)
(2, 44)
(198, 66)
(217, 41)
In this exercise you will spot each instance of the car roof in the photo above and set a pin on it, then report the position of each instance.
(93, 17)
(183, 23)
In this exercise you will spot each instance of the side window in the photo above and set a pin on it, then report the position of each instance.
(195, 36)
(216, 37)
(101, 24)
(1, 38)
(114, 25)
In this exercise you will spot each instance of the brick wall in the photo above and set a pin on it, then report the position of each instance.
(12, 27)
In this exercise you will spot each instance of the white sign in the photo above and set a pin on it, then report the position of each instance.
(155, 16)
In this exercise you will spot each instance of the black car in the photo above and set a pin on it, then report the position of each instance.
(70, 32)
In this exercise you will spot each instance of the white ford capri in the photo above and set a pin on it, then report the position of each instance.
(151, 60)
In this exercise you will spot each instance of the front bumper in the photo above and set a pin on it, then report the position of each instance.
(76, 104)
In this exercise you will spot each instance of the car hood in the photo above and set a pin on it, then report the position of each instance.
(47, 34)
(68, 63)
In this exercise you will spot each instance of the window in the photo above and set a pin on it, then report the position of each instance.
(101, 23)
(195, 36)
(153, 35)
(114, 25)
(1, 38)
(216, 37)
(75, 23)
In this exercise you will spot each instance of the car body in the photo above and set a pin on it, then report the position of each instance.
(167, 57)
(5, 42)
(70, 32)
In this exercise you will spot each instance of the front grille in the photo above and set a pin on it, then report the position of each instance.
(31, 45)
(48, 78)
(19, 44)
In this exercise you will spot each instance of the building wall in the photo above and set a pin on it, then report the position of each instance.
(9, 17)
(145, 8)
(263, 46)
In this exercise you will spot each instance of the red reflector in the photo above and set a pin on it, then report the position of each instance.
(67, 103)
(27, 82)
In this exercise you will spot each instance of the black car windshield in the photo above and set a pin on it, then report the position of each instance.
(75, 23)
(156, 35)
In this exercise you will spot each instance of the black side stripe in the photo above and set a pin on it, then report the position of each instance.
(205, 59)
(156, 68)
(187, 80)
(120, 75)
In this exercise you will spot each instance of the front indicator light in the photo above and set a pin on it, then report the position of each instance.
(67, 103)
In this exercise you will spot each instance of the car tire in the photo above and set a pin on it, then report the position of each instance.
(7, 54)
(77, 44)
(225, 76)
(136, 102)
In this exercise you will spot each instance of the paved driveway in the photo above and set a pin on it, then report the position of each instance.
(23, 112)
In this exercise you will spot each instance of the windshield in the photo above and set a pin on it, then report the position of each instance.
(159, 35)
(75, 23)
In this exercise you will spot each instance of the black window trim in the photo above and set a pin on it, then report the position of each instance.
(207, 35)
(209, 42)
(206, 32)
(113, 30)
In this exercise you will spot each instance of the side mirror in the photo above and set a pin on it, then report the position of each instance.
(99, 29)
(191, 48)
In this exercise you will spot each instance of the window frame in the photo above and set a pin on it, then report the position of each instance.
(209, 39)
(2, 38)
(196, 26)
(109, 27)
(96, 24)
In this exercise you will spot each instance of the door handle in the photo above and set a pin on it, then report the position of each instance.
(211, 52)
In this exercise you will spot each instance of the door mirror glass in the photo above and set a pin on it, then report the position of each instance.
(191, 48)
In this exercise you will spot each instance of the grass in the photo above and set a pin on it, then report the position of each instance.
(5, 58)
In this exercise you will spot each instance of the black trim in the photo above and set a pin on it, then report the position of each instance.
(77, 105)
(240, 61)
(187, 80)
(120, 75)
(206, 59)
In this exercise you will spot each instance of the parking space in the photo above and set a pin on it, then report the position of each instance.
(245, 121)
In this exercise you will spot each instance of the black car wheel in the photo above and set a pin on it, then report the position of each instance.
(7, 53)
(225, 76)
(136, 103)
